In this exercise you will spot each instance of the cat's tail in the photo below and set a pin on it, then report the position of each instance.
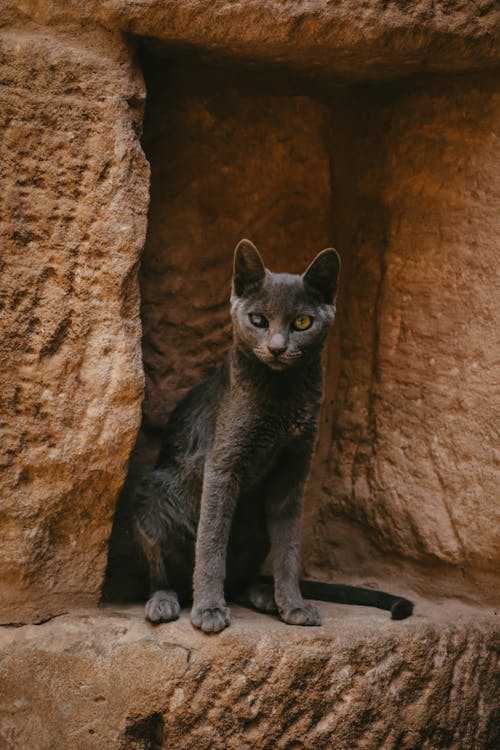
(340, 593)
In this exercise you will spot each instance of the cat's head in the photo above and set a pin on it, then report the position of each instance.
(282, 318)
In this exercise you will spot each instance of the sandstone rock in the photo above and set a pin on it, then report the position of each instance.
(374, 39)
(406, 451)
(106, 678)
(414, 427)
(439, 316)
(405, 481)
(73, 218)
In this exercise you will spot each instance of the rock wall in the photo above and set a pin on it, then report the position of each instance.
(265, 134)
(410, 448)
(438, 402)
(74, 198)
(403, 178)
(374, 40)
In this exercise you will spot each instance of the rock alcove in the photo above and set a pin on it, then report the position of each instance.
(297, 163)
(300, 132)
(234, 151)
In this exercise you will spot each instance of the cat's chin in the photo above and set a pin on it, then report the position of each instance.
(276, 365)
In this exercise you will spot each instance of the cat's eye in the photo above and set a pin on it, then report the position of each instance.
(302, 322)
(259, 321)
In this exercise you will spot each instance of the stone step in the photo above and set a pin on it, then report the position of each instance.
(105, 679)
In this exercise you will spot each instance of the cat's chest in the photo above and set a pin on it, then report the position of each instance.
(259, 426)
(277, 431)
(272, 436)
(286, 423)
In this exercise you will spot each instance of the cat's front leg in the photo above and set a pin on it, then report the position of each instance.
(284, 518)
(220, 488)
(284, 529)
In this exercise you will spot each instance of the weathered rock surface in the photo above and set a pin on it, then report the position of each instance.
(406, 176)
(438, 409)
(413, 432)
(107, 679)
(407, 450)
(373, 39)
(73, 218)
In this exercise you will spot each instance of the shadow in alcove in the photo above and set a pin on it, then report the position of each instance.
(126, 578)
(240, 151)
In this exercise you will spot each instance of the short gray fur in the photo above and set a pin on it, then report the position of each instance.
(235, 454)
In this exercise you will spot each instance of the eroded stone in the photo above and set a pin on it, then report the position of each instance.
(74, 186)
(107, 678)
(377, 39)
(409, 444)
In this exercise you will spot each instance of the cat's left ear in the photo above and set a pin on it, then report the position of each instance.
(323, 274)
(249, 269)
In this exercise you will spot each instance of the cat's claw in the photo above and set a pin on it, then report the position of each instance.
(306, 614)
(162, 607)
(210, 619)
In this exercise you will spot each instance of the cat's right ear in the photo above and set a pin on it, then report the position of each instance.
(248, 267)
(323, 274)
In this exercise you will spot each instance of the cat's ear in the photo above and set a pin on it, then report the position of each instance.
(248, 267)
(323, 274)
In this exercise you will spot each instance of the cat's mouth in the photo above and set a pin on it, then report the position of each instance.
(276, 363)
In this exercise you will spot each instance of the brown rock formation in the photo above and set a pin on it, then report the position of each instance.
(372, 40)
(438, 363)
(74, 198)
(257, 124)
(108, 679)
(411, 430)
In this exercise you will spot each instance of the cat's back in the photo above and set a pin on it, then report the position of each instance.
(190, 427)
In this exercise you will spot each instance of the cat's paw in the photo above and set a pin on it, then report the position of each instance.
(210, 619)
(304, 614)
(162, 607)
(261, 597)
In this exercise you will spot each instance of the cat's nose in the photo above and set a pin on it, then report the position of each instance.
(277, 344)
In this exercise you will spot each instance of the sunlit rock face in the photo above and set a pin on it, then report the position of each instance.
(74, 185)
(409, 437)
(361, 679)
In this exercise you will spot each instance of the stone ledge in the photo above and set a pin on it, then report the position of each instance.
(107, 679)
(372, 40)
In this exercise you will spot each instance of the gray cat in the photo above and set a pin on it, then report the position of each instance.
(235, 454)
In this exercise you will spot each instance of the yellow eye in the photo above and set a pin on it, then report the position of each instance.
(302, 322)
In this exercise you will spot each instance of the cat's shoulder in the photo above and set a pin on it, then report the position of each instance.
(200, 402)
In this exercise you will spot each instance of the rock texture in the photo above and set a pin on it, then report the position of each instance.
(73, 218)
(439, 318)
(415, 402)
(108, 679)
(374, 39)
(404, 178)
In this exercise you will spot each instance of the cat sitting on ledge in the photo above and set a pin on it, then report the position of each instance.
(228, 484)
